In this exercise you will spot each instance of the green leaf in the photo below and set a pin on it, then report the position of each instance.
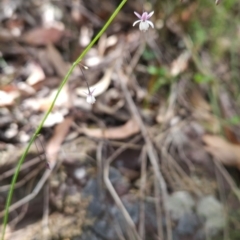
(148, 55)
(235, 120)
(161, 72)
(199, 78)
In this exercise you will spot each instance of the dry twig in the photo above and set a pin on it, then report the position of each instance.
(113, 192)
(143, 158)
(45, 229)
(25, 165)
(119, 202)
(150, 149)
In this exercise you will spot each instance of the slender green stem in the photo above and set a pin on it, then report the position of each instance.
(101, 32)
(20, 162)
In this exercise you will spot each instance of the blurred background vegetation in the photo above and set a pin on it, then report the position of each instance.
(185, 85)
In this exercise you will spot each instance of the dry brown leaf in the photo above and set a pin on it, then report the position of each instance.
(202, 111)
(42, 36)
(53, 119)
(187, 14)
(5, 35)
(227, 153)
(63, 100)
(228, 111)
(54, 144)
(25, 89)
(127, 130)
(57, 61)
(198, 102)
(8, 94)
(180, 64)
(86, 36)
(36, 74)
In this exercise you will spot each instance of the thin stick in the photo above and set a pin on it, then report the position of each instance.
(150, 149)
(23, 181)
(130, 145)
(45, 229)
(112, 190)
(100, 167)
(85, 79)
(47, 163)
(34, 193)
(118, 201)
(135, 58)
(180, 171)
(24, 208)
(143, 158)
(123, 148)
(224, 202)
(158, 210)
(27, 164)
(228, 178)
(119, 231)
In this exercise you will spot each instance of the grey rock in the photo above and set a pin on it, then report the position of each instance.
(119, 182)
(213, 212)
(92, 190)
(188, 224)
(104, 228)
(86, 235)
(175, 235)
(114, 175)
(179, 204)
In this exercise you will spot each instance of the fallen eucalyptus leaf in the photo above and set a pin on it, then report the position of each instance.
(127, 130)
(225, 152)
(42, 36)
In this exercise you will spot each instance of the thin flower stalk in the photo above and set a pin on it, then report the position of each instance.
(90, 97)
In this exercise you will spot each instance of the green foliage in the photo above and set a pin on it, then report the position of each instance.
(213, 31)
(162, 78)
(200, 78)
(199, 33)
(214, 25)
(230, 4)
(234, 219)
(148, 55)
(161, 72)
(235, 120)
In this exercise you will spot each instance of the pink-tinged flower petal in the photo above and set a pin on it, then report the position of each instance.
(90, 98)
(150, 23)
(144, 16)
(138, 15)
(92, 90)
(136, 22)
(150, 14)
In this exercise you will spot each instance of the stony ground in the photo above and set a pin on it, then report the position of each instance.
(156, 156)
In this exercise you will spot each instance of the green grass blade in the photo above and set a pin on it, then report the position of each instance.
(20, 162)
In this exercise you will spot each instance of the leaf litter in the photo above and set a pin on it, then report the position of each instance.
(191, 118)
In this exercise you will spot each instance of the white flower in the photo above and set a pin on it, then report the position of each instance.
(144, 22)
(90, 98)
